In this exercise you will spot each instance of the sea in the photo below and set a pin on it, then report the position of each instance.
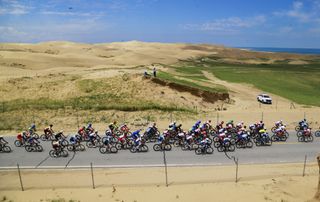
(313, 51)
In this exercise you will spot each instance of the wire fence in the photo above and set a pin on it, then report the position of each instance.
(91, 176)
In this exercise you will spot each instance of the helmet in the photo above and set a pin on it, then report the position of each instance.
(222, 122)
(209, 121)
(1, 136)
(114, 122)
(61, 131)
(154, 124)
(51, 125)
(305, 119)
(33, 125)
(90, 124)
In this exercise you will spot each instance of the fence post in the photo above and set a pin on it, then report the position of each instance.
(165, 165)
(92, 176)
(236, 161)
(304, 165)
(22, 189)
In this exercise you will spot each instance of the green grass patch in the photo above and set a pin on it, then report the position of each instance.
(175, 79)
(299, 83)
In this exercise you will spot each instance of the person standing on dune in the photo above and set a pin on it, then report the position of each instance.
(154, 72)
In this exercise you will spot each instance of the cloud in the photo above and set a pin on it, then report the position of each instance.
(231, 24)
(85, 14)
(299, 12)
(13, 8)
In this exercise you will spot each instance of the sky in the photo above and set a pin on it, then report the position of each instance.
(235, 23)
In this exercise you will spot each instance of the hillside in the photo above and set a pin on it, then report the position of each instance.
(56, 81)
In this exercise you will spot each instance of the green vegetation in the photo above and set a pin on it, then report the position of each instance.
(188, 80)
(95, 102)
(299, 83)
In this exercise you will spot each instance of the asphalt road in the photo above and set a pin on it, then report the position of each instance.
(286, 152)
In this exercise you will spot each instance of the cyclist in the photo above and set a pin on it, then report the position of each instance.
(230, 124)
(32, 129)
(93, 136)
(59, 135)
(2, 141)
(89, 128)
(303, 124)
(219, 125)
(113, 126)
(73, 140)
(136, 134)
(56, 145)
(48, 131)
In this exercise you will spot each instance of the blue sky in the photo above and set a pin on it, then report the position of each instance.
(245, 23)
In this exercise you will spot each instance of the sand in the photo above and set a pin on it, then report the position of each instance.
(53, 70)
(269, 182)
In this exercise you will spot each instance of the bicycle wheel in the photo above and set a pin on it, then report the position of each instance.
(198, 151)
(310, 138)
(71, 147)
(273, 129)
(156, 147)
(299, 134)
(231, 148)
(209, 150)
(133, 149)
(6, 149)
(102, 150)
(268, 141)
(43, 137)
(297, 128)
(35, 135)
(113, 150)
(28, 148)
(274, 138)
(221, 148)
(300, 139)
(239, 144)
(216, 144)
(39, 148)
(249, 144)
(17, 143)
(176, 143)
(284, 138)
(64, 153)
(118, 146)
(184, 147)
(53, 154)
(64, 143)
(317, 133)
(168, 147)
(89, 144)
(144, 148)
(286, 134)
